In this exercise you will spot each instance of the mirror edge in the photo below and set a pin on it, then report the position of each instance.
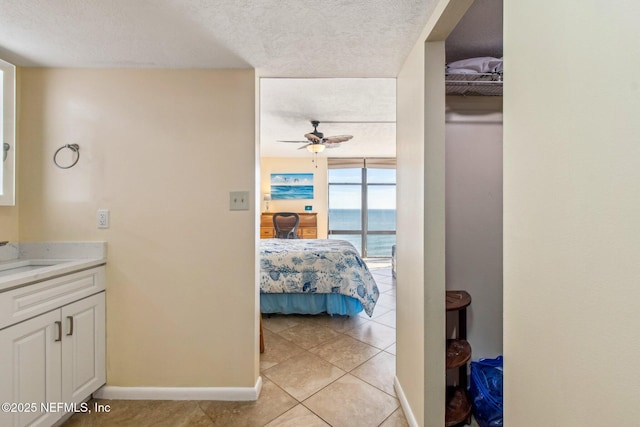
(7, 196)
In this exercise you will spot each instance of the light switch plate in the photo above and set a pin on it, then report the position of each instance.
(239, 201)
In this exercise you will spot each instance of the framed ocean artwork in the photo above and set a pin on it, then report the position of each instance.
(291, 186)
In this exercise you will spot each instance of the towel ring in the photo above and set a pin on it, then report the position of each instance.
(73, 147)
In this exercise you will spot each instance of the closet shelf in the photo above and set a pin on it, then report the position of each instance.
(474, 84)
(458, 353)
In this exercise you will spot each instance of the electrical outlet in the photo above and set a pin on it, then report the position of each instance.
(239, 201)
(103, 218)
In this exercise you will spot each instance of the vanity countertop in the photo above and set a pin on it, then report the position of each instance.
(22, 264)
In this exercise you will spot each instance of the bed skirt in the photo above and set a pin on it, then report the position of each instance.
(309, 304)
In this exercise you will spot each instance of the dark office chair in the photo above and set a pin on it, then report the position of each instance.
(286, 225)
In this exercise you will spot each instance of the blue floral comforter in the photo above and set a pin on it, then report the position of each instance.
(316, 266)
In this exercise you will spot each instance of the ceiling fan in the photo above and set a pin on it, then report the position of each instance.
(316, 141)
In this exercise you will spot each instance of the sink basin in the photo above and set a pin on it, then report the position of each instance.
(27, 265)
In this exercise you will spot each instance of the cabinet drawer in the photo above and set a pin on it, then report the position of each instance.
(309, 233)
(308, 220)
(28, 301)
(266, 220)
(266, 233)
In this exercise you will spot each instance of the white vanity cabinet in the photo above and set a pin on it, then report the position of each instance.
(30, 367)
(52, 347)
(83, 348)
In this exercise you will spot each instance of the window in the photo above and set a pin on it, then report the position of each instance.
(362, 204)
(7, 136)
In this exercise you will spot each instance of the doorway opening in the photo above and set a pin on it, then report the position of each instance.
(334, 350)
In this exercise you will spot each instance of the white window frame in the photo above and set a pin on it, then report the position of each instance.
(363, 164)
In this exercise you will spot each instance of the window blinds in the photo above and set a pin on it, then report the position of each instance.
(377, 163)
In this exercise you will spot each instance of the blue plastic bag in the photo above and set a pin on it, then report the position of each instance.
(486, 391)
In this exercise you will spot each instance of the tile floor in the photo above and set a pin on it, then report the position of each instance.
(316, 371)
(338, 370)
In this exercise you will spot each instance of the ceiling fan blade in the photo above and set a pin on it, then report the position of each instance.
(298, 142)
(337, 138)
(304, 146)
(312, 137)
(357, 121)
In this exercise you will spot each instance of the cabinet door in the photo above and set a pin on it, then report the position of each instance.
(83, 349)
(30, 369)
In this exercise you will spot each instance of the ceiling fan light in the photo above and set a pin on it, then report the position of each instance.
(315, 148)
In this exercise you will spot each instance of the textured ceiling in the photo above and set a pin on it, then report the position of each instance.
(301, 38)
(343, 106)
(280, 38)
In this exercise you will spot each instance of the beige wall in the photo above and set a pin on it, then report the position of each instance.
(420, 366)
(410, 327)
(9, 223)
(474, 216)
(161, 149)
(269, 165)
(571, 213)
(420, 147)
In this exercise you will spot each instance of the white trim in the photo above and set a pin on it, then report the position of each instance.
(8, 131)
(411, 419)
(180, 393)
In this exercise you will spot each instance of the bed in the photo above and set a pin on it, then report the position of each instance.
(312, 276)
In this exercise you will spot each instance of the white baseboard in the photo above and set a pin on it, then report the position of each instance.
(180, 393)
(411, 419)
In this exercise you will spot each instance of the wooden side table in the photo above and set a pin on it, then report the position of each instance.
(458, 409)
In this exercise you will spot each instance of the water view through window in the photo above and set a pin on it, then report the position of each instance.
(362, 209)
